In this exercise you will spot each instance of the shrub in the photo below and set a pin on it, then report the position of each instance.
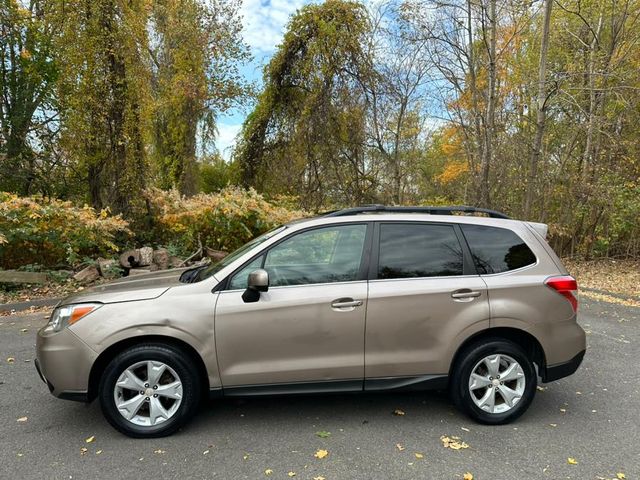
(54, 232)
(224, 220)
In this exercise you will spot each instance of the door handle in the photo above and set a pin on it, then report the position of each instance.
(465, 294)
(346, 303)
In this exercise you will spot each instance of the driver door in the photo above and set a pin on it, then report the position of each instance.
(306, 333)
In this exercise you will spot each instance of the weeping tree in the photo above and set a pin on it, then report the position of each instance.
(195, 50)
(306, 134)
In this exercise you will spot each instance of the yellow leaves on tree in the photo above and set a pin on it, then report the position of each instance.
(452, 171)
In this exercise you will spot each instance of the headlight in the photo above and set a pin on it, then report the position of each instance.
(70, 314)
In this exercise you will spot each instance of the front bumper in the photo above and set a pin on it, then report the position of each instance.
(64, 363)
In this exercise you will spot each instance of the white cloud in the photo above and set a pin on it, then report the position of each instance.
(227, 133)
(264, 22)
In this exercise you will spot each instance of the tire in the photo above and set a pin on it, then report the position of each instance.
(178, 390)
(480, 358)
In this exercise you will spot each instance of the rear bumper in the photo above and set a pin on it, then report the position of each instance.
(564, 369)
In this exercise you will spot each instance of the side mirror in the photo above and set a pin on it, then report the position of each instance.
(258, 281)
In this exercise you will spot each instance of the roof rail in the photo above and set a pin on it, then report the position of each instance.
(451, 210)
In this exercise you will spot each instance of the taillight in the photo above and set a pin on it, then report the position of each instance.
(565, 285)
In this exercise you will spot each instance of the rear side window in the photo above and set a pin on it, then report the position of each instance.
(418, 250)
(497, 250)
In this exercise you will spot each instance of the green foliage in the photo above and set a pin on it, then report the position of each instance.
(53, 233)
(214, 174)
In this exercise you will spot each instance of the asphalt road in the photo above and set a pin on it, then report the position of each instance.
(596, 414)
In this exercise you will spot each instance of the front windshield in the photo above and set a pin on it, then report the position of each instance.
(214, 268)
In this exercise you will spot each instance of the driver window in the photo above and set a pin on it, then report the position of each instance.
(323, 255)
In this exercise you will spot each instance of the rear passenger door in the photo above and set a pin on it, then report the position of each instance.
(424, 298)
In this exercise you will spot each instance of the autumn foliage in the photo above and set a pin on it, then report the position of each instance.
(54, 232)
(225, 220)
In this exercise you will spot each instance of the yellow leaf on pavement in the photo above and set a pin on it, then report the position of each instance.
(419, 456)
(292, 474)
(467, 476)
(22, 419)
(399, 447)
(621, 476)
(572, 461)
(11, 360)
(83, 450)
(398, 412)
(453, 443)
(268, 471)
(321, 454)
(320, 477)
(90, 439)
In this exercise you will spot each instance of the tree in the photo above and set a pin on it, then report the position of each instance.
(195, 55)
(27, 82)
(541, 102)
(104, 97)
(305, 135)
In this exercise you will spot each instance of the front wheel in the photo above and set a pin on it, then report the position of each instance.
(149, 391)
(493, 381)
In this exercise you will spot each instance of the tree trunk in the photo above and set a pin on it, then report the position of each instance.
(540, 111)
(593, 104)
(489, 127)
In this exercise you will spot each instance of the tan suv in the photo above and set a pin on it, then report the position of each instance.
(365, 299)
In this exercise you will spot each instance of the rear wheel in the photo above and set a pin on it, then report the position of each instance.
(493, 381)
(149, 391)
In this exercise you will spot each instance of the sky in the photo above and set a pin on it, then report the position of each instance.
(264, 23)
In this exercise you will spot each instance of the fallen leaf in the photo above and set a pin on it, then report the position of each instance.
(621, 476)
(206, 452)
(572, 461)
(11, 360)
(98, 452)
(465, 429)
(19, 454)
(540, 389)
(454, 443)
(90, 439)
(419, 456)
(83, 450)
(563, 410)
(467, 476)
(323, 434)
(268, 471)
(245, 456)
(22, 419)
(553, 424)
(24, 330)
(319, 477)
(399, 447)
(321, 454)
(398, 412)
(292, 474)
(158, 451)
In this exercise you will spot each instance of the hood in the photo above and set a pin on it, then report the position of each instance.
(126, 289)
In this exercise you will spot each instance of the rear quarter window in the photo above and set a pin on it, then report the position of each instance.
(497, 250)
